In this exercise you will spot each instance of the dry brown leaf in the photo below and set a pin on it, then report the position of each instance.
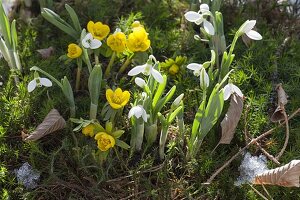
(52, 122)
(231, 119)
(46, 53)
(287, 175)
(282, 101)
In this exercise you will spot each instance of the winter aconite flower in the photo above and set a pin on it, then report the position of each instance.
(138, 40)
(117, 41)
(136, 24)
(229, 89)
(74, 51)
(199, 18)
(247, 27)
(173, 66)
(37, 81)
(138, 111)
(90, 43)
(117, 99)
(98, 30)
(89, 130)
(105, 141)
(147, 69)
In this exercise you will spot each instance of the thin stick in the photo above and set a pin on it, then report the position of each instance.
(265, 189)
(260, 194)
(287, 135)
(267, 154)
(243, 149)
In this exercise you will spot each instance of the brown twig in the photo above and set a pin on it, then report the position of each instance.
(244, 148)
(287, 135)
(271, 157)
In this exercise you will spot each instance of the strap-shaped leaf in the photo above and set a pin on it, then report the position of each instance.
(159, 91)
(160, 104)
(94, 84)
(122, 144)
(14, 36)
(68, 92)
(287, 175)
(59, 23)
(174, 114)
(4, 50)
(5, 27)
(52, 122)
(73, 17)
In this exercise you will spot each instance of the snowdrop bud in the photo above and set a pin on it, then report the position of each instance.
(204, 79)
(177, 101)
(197, 37)
(140, 82)
(204, 7)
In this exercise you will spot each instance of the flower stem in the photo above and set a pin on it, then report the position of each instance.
(111, 62)
(96, 59)
(125, 65)
(79, 68)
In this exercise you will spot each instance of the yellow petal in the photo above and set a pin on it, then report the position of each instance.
(109, 94)
(90, 27)
(115, 106)
(118, 92)
(125, 98)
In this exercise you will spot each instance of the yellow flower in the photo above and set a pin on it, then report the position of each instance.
(173, 69)
(117, 42)
(117, 99)
(74, 51)
(98, 30)
(138, 40)
(89, 130)
(105, 141)
(172, 66)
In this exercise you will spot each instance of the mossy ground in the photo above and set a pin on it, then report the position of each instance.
(68, 173)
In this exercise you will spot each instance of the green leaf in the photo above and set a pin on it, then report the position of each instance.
(159, 91)
(212, 112)
(98, 128)
(55, 19)
(108, 127)
(122, 144)
(118, 133)
(164, 100)
(14, 35)
(77, 128)
(174, 114)
(94, 84)
(5, 27)
(105, 50)
(4, 50)
(197, 120)
(67, 90)
(73, 17)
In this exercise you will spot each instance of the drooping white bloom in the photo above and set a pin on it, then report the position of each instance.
(90, 43)
(247, 29)
(138, 111)
(140, 82)
(229, 89)
(147, 69)
(38, 82)
(196, 68)
(198, 18)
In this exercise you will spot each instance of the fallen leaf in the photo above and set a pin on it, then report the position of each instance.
(281, 102)
(287, 175)
(46, 53)
(52, 122)
(231, 119)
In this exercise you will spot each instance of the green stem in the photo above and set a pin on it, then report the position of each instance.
(162, 141)
(111, 62)
(125, 65)
(96, 59)
(79, 69)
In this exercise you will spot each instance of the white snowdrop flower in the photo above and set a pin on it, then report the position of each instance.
(90, 43)
(1, 83)
(196, 68)
(138, 111)
(147, 69)
(247, 29)
(140, 82)
(38, 82)
(229, 89)
(198, 18)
